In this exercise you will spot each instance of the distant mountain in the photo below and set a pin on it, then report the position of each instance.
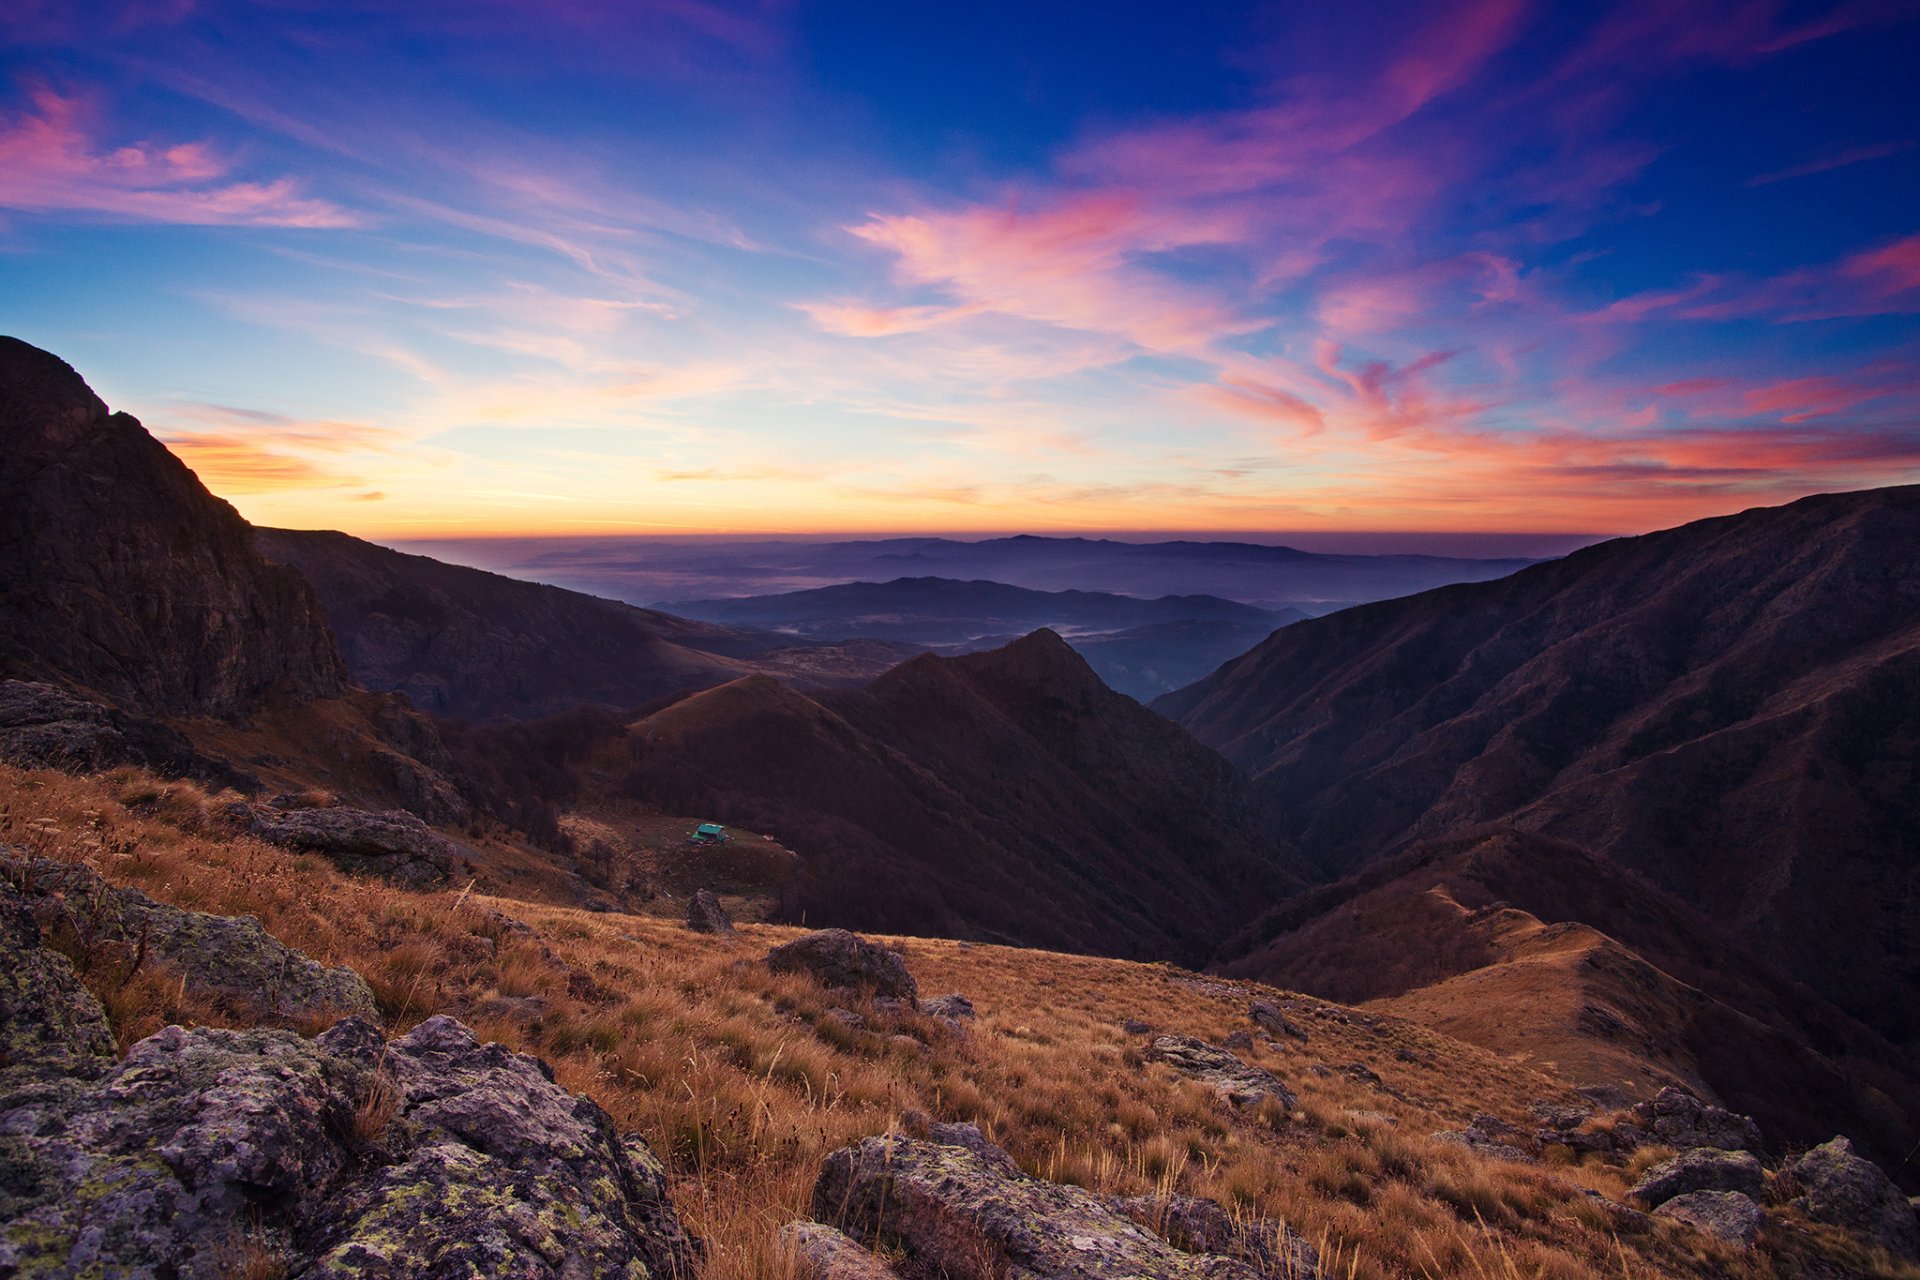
(1140, 647)
(1007, 795)
(1146, 662)
(649, 570)
(1731, 709)
(121, 575)
(468, 643)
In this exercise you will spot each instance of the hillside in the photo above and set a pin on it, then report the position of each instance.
(1540, 950)
(741, 1080)
(121, 574)
(1731, 709)
(1007, 795)
(464, 642)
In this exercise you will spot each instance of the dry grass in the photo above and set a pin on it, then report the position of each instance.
(742, 1081)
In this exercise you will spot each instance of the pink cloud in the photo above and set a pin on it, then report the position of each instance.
(1827, 163)
(53, 162)
(1075, 264)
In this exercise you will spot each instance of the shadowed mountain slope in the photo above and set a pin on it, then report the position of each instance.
(465, 642)
(121, 574)
(1007, 795)
(1537, 948)
(1730, 708)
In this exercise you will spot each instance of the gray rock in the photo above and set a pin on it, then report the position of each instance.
(828, 1254)
(1678, 1119)
(837, 958)
(706, 915)
(1725, 1215)
(1845, 1190)
(1272, 1249)
(1238, 1041)
(343, 1156)
(1266, 1014)
(1701, 1169)
(43, 726)
(1135, 1027)
(968, 1135)
(229, 957)
(952, 1009)
(476, 1164)
(393, 845)
(51, 1027)
(1238, 1082)
(846, 1017)
(953, 1212)
(1480, 1142)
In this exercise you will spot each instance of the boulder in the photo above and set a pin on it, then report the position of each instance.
(393, 845)
(1701, 1169)
(1678, 1119)
(952, 1009)
(706, 915)
(339, 1157)
(1845, 1190)
(203, 1153)
(1728, 1216)
(231, 958)
(51, 1027)
(952, 1211)
(1265, 1013)
(1479, 1141)
(837, 958)
(968, 1135)
(1272, 1249)
(1135, 1027)
(828, 1254)
(1240, 1083)
(43, 726)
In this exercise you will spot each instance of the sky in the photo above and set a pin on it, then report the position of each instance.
(592, 267)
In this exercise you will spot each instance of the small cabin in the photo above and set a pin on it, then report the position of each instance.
(709, 833)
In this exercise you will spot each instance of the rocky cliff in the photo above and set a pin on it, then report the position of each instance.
(121, 574)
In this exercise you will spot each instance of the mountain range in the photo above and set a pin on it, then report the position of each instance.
(1644, 814)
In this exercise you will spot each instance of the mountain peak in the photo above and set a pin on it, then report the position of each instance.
(43, 401)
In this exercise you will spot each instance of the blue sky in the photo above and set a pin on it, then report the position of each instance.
(590, 267)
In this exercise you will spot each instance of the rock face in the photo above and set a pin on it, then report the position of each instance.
(45, 727)
(953, 1211)
(338, 1157)
(393, 845)
(51, 1027)
(1841, 1188)
(706, 915)
(841, 959)
(1240, 1083)
(231, 957)
(120, 573)
(1702, 1169)
(1725, 1215)
(1678, 1119)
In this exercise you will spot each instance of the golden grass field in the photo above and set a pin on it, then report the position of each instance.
(740, 1080)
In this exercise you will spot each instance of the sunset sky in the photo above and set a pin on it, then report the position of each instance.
(580, 266)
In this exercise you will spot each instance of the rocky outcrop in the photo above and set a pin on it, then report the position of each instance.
(1488, 1136)
(706, 915)
(45, 727)
(1272, 1249)
(51, 1027)
(1268, 1016)
(1678, 1119)
(948, 1210)
(1728, 1216)
(393, 845)
(955, 1011)
(837, 958)
(1702, 1169)
(1841, 1188)
(1240, 1083)
(825, 1253)
(231, 958)
(121, 574)
(339, 1157)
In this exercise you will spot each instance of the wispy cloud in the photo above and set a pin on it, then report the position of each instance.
(54, 161)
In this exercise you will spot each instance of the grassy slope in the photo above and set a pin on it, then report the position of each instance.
(742, 1082)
